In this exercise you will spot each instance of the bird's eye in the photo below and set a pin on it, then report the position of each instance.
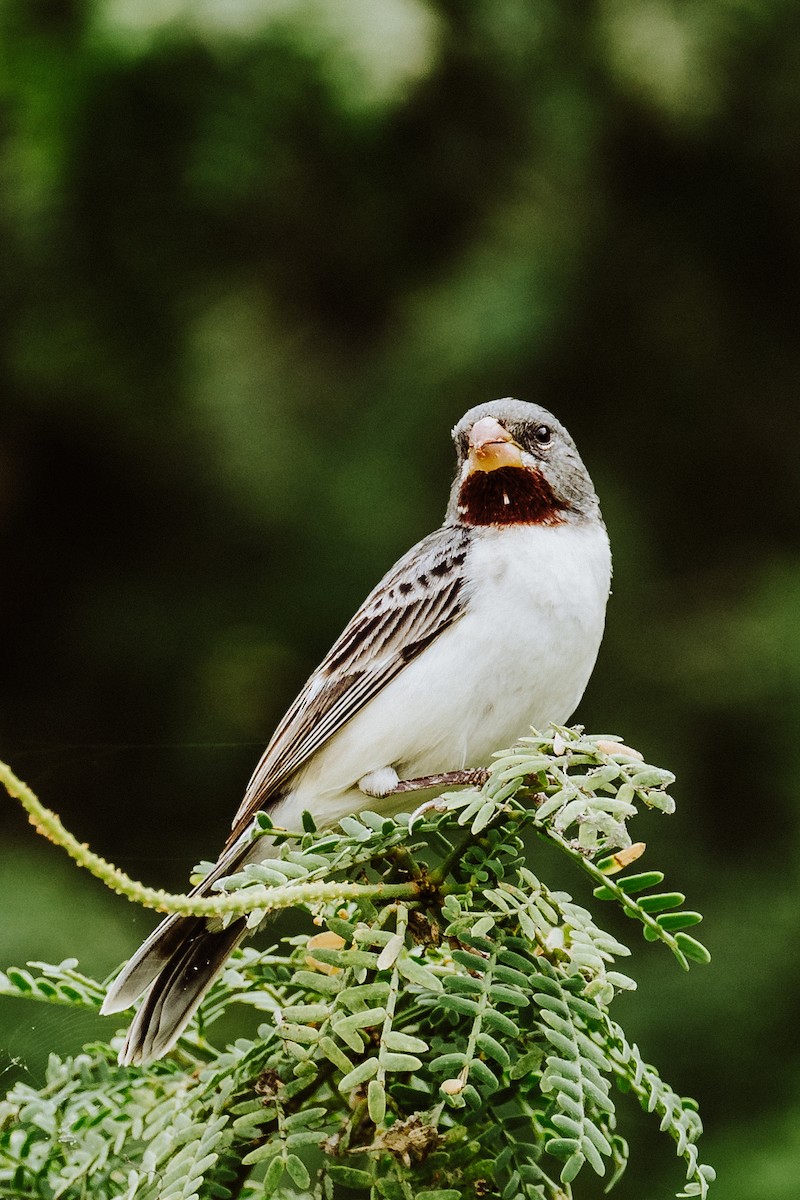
(543, 434)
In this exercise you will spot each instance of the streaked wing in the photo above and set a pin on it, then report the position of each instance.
(413, 603)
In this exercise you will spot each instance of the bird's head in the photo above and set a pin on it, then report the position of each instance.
(517, 465)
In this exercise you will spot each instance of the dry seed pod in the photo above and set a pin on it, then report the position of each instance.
(326, 940)
(618, 750)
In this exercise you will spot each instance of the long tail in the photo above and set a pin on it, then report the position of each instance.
(176, 965)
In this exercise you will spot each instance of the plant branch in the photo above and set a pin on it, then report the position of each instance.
(628, 903)
(49, 825)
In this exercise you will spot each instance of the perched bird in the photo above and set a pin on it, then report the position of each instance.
(486, 627)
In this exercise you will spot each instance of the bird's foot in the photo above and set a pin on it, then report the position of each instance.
(385, 781)
(476, 777)
(469, 777)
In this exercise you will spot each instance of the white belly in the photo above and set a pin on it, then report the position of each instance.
(520, 656)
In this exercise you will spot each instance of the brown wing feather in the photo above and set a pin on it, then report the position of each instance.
(413, 603)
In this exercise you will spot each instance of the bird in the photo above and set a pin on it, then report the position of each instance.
(486, 628)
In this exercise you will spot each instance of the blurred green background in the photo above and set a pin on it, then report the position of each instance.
(257, 257)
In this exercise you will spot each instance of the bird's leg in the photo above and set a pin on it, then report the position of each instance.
(385, 782)
(379, 783)
(469, 777)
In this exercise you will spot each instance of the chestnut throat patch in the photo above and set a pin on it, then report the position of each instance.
(509, 496)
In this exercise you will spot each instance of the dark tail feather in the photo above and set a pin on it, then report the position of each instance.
(177, 963)
(178, 988)
(153, 954)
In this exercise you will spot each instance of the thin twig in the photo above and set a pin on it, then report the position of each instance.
(49, 825)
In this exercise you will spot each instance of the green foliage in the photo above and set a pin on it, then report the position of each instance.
(454, 1042)
(244, 298)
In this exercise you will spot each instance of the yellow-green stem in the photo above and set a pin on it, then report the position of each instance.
(49, 825)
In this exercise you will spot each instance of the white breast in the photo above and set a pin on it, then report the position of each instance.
(520, 655)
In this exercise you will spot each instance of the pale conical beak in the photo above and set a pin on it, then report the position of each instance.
(491, 446)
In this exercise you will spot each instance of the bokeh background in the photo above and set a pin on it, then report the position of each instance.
(257, 257)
